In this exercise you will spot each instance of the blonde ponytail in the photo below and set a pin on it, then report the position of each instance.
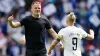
(71, 14)
(71, 18)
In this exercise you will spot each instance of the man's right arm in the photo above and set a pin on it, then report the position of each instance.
(13, 24)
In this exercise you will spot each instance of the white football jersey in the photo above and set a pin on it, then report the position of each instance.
(71, 40)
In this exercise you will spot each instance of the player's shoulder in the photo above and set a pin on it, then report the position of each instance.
(73, 29)
(79, 29)
(63, 29)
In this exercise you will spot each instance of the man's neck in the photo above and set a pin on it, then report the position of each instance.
(36, 16)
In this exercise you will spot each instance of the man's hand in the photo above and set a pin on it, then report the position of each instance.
(11, 18)
(49, 52)
(13, 24)
(61, 47)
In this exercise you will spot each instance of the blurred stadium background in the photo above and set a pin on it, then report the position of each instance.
(86, 11)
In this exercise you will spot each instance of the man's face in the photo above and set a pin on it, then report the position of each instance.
(36, 9)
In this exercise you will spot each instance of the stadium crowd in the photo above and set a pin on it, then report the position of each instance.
(86, 11)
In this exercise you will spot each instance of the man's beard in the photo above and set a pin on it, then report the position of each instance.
(37, 14)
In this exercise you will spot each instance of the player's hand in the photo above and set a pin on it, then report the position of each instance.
(61, 47)
(49, 52)
(91, 31)
(11, 18)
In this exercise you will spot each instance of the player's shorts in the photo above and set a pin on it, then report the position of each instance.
(36, 52)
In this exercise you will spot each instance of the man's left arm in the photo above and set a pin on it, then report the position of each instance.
(53, 33)
(54, 43)
(51, 30)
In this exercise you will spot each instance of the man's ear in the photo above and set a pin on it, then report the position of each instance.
(30, 9)
(66, 21)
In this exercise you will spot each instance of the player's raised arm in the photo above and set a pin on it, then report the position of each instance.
(13, 24)
(91, 35)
